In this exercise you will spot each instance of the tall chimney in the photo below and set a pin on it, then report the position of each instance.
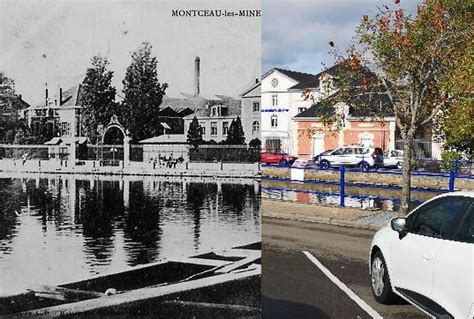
(46, 94)
(196, 75)
(60, 96)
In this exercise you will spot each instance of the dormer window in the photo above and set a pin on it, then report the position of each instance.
(219, 110)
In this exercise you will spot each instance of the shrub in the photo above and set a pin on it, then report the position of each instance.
(449, 159)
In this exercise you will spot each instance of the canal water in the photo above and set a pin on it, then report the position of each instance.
(60, 228)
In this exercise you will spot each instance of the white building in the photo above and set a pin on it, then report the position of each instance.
(250, 111)
(281, 100)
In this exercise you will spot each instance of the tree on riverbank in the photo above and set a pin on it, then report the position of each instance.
(98, 97)
(414, 58)
(235, 135)
(143, 95)
(12, 129)
(195, 133)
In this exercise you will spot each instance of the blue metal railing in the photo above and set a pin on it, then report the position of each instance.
(455, 169)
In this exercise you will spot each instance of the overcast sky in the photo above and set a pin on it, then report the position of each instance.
(53, 41)
(296, 33)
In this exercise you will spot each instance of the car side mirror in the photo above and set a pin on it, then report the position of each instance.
(399, 225)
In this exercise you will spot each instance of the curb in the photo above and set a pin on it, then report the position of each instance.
(324, 220)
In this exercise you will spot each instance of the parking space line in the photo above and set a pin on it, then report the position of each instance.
(343, 287)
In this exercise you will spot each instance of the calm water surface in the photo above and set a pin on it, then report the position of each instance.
(57, 229)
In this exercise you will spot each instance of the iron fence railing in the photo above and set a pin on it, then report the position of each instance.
(456, 169)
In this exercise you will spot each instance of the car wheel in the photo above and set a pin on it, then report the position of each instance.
(364, 166)
(283, 162)
(380, 280)
(399, 165)
(325, 164)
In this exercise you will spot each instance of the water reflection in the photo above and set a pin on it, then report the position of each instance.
(326, 198)
(62, 228)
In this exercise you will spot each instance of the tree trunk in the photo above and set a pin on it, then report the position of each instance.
(406, 177)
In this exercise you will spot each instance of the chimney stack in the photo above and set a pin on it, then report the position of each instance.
(46, 95)
(60, 96)
(196, 75)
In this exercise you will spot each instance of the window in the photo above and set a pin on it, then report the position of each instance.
(65, 128)
(274, 120)
(349, 151)
(214, 111)
(362, 150)
(256, 106)
(339, 151)
(255, 127)
(436, 218)
(273, 144)
(225, 128)
(301, 109)
(465, 232)
(203, 128)
(213, 128)
(275, 100)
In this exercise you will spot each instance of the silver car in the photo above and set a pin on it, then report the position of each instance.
(393, 158)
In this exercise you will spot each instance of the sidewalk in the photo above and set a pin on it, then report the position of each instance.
(332, 215)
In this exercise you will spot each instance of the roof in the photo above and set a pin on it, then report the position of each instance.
(233, 109)
(297, 76)
(73, 96)
(166, 139)
(53, 141)
(360, 105)
(313, 82)
(252, 91)
(60, 140)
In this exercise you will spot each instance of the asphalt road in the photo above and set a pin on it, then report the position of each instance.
(294, 287)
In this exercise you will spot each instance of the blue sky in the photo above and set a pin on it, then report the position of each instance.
(296, 33)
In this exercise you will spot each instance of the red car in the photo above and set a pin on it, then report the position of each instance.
(271, 156)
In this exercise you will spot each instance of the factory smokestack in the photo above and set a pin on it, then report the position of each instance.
(197, 71)
(46, 98)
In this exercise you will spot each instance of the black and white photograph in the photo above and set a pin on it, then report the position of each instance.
(129, 159)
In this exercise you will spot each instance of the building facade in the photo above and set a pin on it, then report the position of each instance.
(215, 119)
(280, 102)
(292, 115)
(60, 115)
(250, 111)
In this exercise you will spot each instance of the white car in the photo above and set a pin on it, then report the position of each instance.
(354, 155)
(427, 258)
(393, 158)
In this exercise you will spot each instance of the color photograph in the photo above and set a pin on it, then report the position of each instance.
(367, 137)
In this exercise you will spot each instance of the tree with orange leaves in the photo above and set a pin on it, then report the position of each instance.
(414, 57)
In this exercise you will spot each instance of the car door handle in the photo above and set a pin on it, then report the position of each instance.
(427, 257)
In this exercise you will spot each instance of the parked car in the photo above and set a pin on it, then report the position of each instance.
(354, 155)
(271, 156)
(427, 257)
(317, 158)
(393, 158)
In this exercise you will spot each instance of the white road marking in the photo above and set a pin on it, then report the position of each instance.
(343, 287)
